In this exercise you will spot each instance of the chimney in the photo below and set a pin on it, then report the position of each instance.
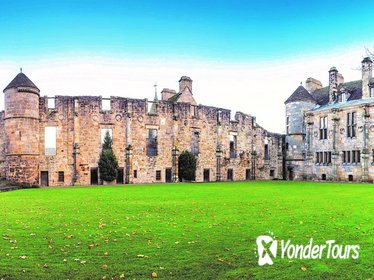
(366, 76)
(166, 93)
(185, 82)
(340, 79)
(333, 84)
(312, 84)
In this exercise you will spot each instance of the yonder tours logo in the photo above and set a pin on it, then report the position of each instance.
(267, 247)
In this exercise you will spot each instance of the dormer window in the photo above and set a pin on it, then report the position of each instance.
(343, 97)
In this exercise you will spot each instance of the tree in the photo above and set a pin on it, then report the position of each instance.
(187, 166)
(108, 164)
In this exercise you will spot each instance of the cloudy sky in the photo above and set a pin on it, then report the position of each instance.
(241, 55)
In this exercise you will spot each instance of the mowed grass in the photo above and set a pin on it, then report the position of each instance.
(182, 231)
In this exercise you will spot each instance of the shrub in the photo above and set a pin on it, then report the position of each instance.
(108, 164)
(187, 166)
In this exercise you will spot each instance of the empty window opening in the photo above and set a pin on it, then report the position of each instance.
(105, 104)
(158, 175)
(323, 177)
(135, 173)
(195, 143)
(104, 131)
(51, 102)
(50, 135)
(151, 142)
(272, 173)
(152, 108)
(233, 144)
(266, 152)
(350, 178)
(61, 176)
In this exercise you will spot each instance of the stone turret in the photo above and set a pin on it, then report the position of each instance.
(367, 66)
(21, 125)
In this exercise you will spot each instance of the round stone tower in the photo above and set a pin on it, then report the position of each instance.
(21, 124)
(296, 105)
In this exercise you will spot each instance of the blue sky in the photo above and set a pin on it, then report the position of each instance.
(227, 30)
(240, 54)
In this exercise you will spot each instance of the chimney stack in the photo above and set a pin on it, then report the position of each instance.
(333, 84)
(312, 84)
(366, 76)
(185, 82)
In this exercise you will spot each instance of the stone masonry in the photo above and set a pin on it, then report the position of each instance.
(229, 148)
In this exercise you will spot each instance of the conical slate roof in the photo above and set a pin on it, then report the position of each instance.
(22, 81)
(300, 94)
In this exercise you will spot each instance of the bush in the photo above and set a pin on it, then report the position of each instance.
(108, 164)
(187, 166)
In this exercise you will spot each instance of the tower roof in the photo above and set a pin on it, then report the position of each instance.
(21, 81)
(300, 94)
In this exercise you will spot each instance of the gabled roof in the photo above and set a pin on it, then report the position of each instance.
(175, 97)
(354, 89)
(22, 81)
(300, 94)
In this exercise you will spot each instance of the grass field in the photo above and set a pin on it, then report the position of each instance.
(184, 231)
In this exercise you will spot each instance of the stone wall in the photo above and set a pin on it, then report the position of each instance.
(79, 121)
(338, 141)
(2, 146)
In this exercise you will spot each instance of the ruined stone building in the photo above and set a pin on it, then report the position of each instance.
(56, 141)
(330, 130)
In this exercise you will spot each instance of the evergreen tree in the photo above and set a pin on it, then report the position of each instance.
(108, 164)
(187, 166)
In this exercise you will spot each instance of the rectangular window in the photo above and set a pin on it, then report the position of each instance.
(323, 128)
(195, 141)
(152, 142)
(372, 92)
(135, 173)
(104, 132)
(158, 175)
(50, 135)
(267, 152)
(356, 156)
(51, 103)
(105, 104)
(230, 174)
(348, 156)
(344, 157)
(233, 144)
(61, 176)
(351, 124)
(317, 157)
(152, 108)
(287, 125)
(271, 173)
(194, 112)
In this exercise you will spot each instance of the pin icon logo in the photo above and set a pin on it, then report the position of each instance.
(266, 248)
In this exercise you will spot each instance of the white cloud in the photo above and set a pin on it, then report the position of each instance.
(257, 88)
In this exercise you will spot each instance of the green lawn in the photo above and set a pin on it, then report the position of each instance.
(184, 231)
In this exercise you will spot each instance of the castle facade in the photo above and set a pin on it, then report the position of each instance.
(56, 141)
(330, 130)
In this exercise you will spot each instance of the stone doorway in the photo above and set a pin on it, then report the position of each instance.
(44, 179)
(290, 174)
(120, 174)
(248, 174)
(206, 175)
(168, 175)
(94, 176)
